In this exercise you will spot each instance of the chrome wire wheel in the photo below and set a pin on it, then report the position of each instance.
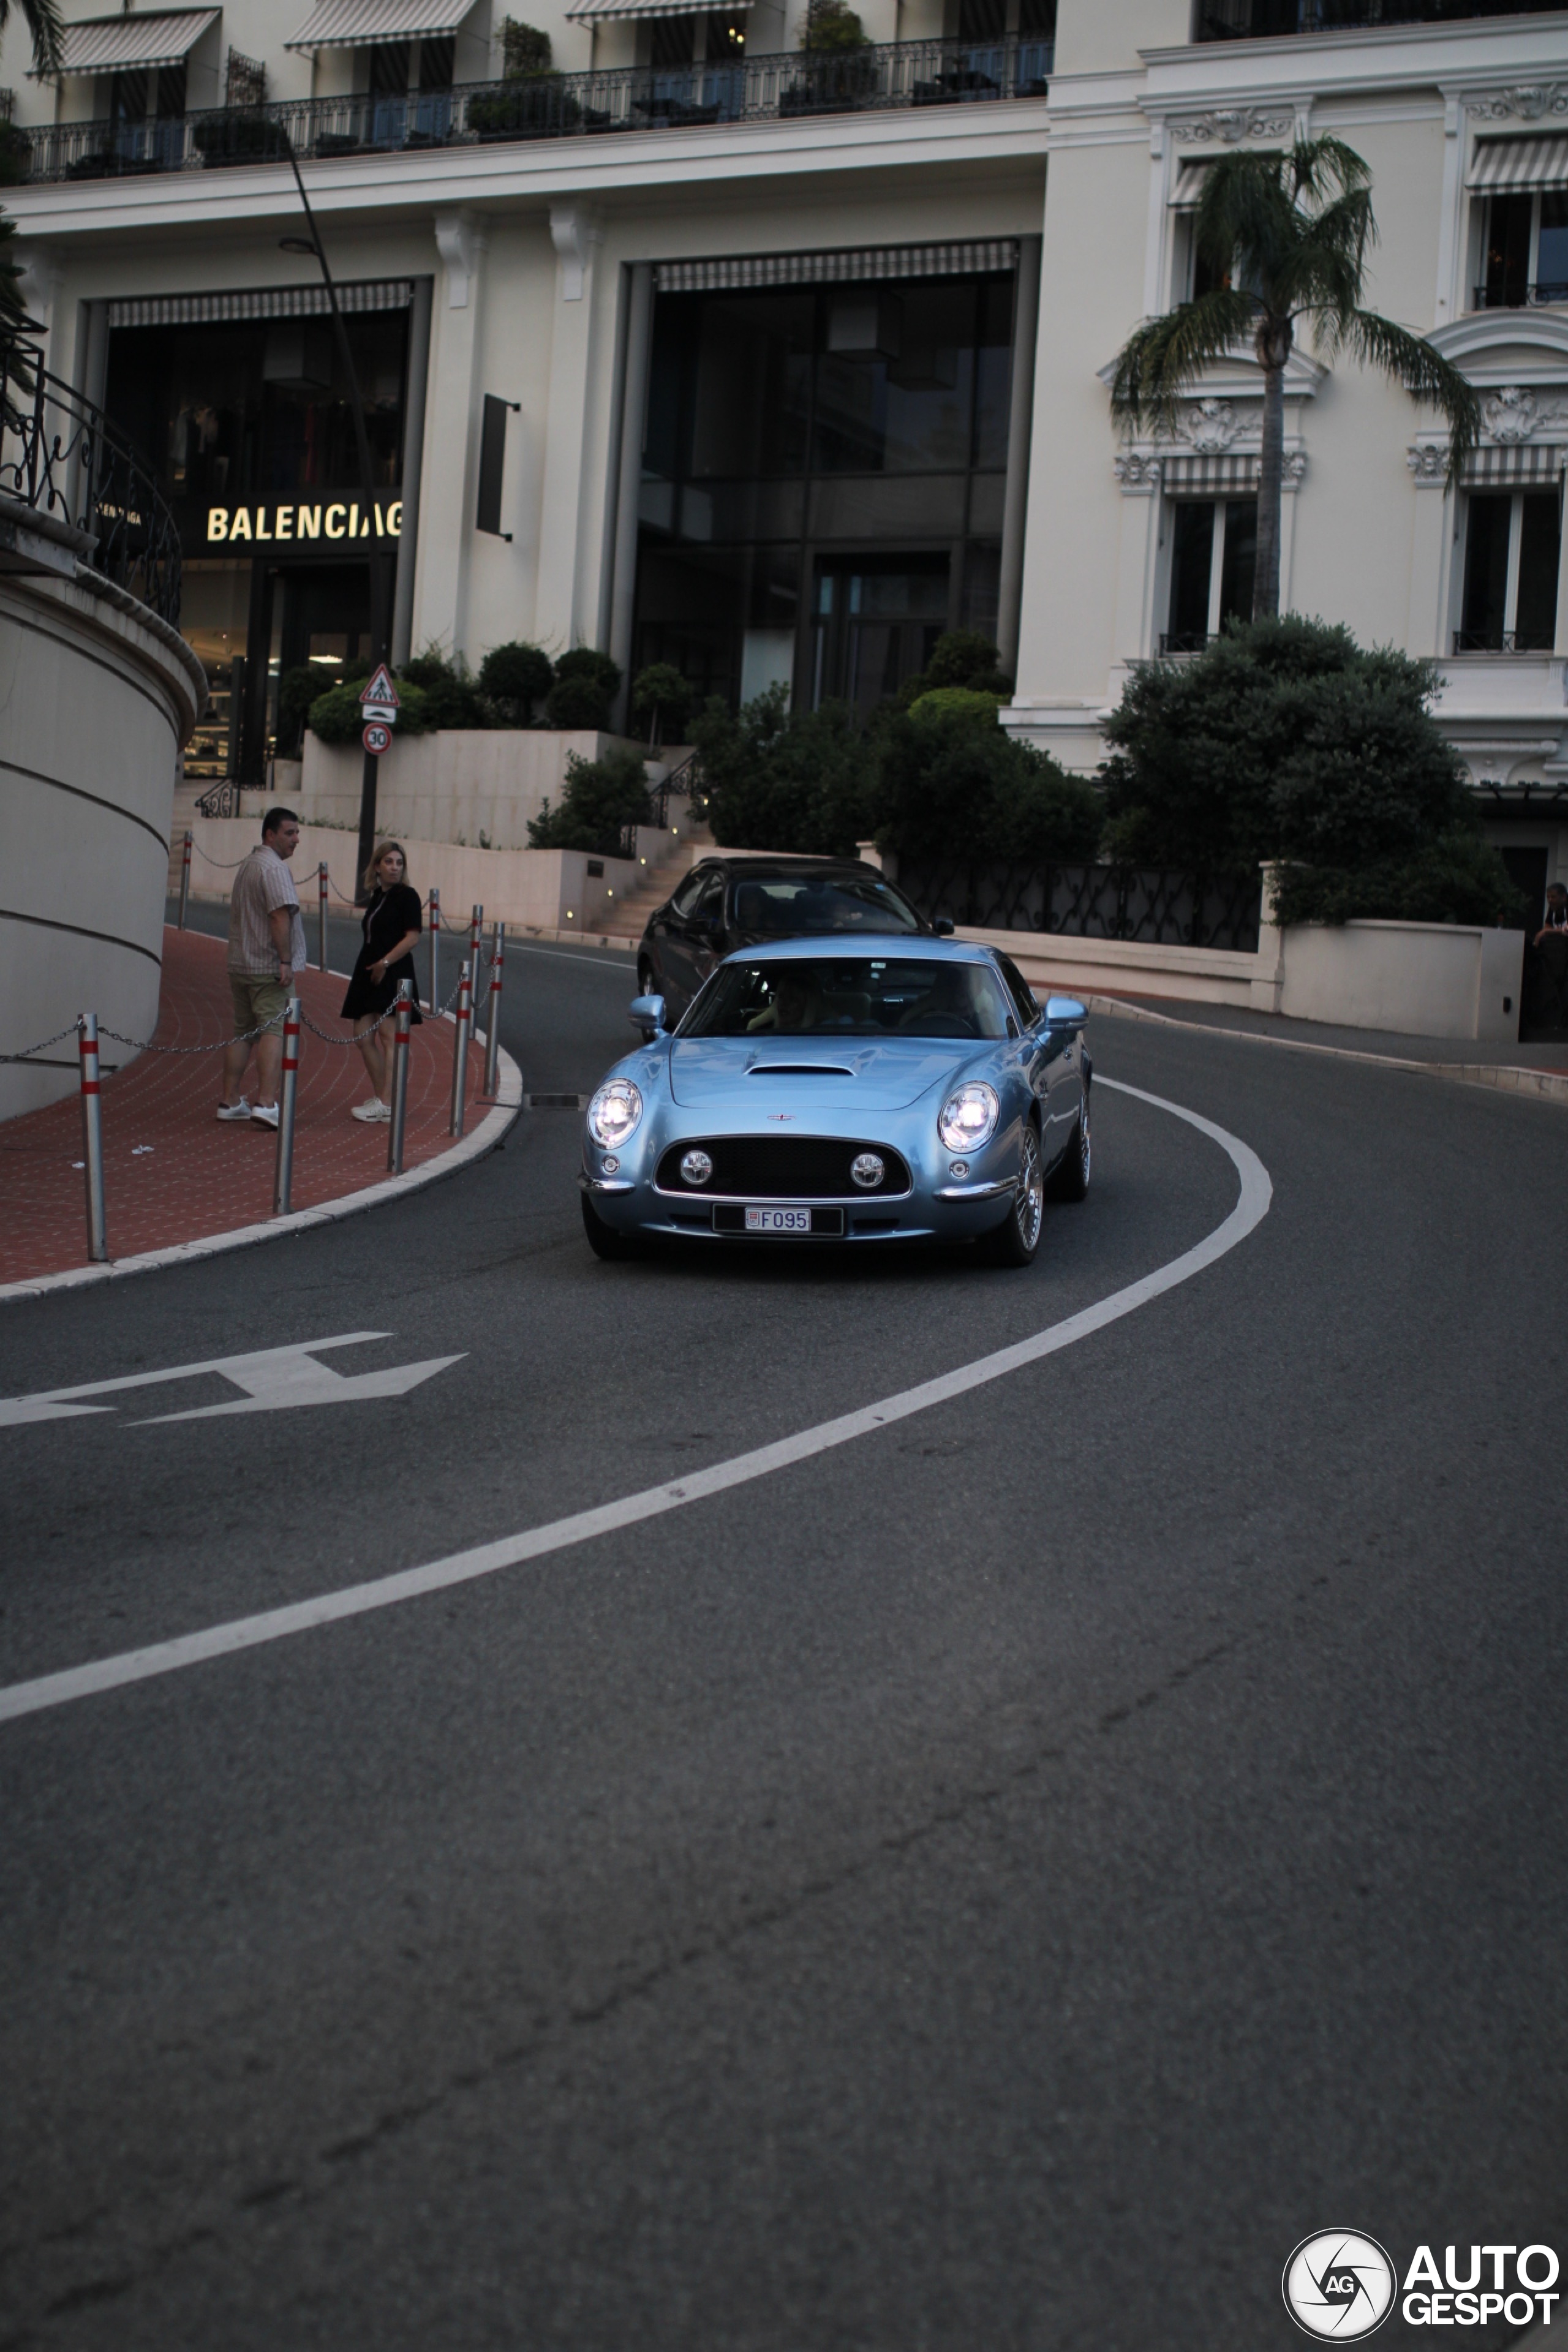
(1030, 1200)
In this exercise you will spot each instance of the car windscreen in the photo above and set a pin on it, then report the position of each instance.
(787, 905)
(858, 996)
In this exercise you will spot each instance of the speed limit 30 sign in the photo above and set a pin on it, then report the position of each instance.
(377, 737)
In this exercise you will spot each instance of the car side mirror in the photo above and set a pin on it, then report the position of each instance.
(648, 1014)
(1065, 1012)
(942, 927)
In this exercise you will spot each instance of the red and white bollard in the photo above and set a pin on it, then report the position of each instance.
(288, 1090)
(92, 1137)
(476, 940)
(322, 917)
(184, 880)
(402, 1031)
(462, 1032)
(434, 911)
(492, 1016)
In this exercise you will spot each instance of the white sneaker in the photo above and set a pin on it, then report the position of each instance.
(265, 1115)
(234, 1110)
(374, 1109)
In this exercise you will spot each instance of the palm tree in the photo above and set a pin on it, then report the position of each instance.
(1286, 237)
(46, 27)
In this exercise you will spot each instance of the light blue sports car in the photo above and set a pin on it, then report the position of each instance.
(845, 1090)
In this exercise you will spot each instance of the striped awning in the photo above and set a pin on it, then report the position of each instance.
(360, 24)
(133, 44)
(1513, 467)
(966, 258)
(601, 12)
(1233, 474)
(1520, 163)
(260, 302)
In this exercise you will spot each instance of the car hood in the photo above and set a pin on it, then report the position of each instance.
(811, 1073)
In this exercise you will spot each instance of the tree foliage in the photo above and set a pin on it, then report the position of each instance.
(1287, 740)
(515, 676)
(778, 780)
(959, 658)
(661, 702)
(601, 797)
(586, 684)
(954, 788)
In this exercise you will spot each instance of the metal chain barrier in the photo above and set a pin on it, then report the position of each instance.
(43, 1046)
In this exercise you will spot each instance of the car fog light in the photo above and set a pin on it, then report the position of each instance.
(611, 1164)
(959, 1168)
(615, 1112)
(697, 1168)
(866, 1170)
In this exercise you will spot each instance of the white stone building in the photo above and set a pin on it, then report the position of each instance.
(774, 365)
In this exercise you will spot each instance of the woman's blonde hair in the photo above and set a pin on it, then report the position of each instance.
(372, 871)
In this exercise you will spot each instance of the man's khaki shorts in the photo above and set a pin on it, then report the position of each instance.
(256, 1000)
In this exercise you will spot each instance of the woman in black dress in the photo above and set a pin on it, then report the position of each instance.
(392, 926)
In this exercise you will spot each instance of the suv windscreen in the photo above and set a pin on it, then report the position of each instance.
(861, 996)
(789, 905)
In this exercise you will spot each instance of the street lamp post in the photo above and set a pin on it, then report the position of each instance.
(380, 560)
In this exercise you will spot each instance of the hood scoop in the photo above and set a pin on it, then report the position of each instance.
(800, 1070)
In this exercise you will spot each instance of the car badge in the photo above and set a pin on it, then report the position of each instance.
(780, 1115)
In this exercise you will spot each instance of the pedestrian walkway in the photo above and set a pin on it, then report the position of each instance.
(172, 1173)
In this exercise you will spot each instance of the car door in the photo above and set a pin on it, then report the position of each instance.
(693, 942)
(1050, 1060)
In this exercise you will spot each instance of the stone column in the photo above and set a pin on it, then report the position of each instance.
(571, 422)
(451, 437)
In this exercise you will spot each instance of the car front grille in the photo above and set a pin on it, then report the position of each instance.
(781, 1168)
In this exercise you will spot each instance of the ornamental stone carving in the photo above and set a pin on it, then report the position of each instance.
(1527, 101)
(1294, 469)
(1514, 413)
(1137, 470)
(1428, 464)
(1231, 124)
(1210, 426)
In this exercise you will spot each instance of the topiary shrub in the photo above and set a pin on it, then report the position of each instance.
(983, 707)
(662, 702)
(959, 658)
(600, 798)
(452, 698)
(953, 789)
(832, 25)
(336, 717)
(586, 685)
(1287, 741)
(774, 780)
(515, 677)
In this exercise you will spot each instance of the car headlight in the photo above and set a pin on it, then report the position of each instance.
(968, 1119)
(613, 1112)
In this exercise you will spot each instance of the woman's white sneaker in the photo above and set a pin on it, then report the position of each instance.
(374, 1109)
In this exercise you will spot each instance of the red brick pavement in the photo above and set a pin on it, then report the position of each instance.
(172, 1172)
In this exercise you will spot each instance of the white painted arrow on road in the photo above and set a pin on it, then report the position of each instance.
(271, 1377)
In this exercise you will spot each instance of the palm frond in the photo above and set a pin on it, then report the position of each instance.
(1165, 357)
(1317, 165)
(46, 27)
(1423, 371)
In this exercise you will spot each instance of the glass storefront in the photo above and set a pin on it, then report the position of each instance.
(823, 480)
(251, 426)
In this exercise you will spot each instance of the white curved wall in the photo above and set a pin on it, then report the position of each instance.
(96, 699)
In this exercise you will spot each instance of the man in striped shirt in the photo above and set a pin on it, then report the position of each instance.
(266, 949)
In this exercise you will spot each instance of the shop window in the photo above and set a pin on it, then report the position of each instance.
(1512, 546)
(1524, 250)
(1214, 563)
(875, 622)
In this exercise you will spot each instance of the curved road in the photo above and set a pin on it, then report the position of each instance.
(1000, 1881)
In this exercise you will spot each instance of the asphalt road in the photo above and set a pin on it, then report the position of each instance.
(1000, 1882)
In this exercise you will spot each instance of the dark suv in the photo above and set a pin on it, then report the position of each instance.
(726, 903)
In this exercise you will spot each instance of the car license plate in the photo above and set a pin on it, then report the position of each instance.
(778, 1221)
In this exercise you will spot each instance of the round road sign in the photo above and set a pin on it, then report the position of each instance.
(377, 737)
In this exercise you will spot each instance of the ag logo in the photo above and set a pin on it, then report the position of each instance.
(1339, 2284)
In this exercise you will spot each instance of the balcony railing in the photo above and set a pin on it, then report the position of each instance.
(1502, 641)
(551, 106)
(61, 456)
(1519, 298)
(1253, 20)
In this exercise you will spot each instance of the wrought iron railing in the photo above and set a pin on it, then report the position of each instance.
(1542, 290)
(1243, 20)
(1091, 902)
(548, 106)
(221, 800)
(1173, 642)
(60, 455)
(1503, 641)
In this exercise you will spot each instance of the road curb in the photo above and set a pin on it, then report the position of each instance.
(1542, 1086)
(489, 1133)
(622, 940)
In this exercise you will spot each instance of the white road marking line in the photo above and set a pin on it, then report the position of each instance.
(568, 955)
(270, 1377)
(610, 1518)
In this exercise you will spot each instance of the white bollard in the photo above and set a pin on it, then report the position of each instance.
(283, 1185)
(492, 1016)
(403, 1029)
(462, 1029)
(92, 1137)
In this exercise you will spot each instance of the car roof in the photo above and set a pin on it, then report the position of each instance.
(841, 944)
(764, 861)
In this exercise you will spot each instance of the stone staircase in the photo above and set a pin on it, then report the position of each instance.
(628, 917)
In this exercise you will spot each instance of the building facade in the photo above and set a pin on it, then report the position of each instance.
(682, 340)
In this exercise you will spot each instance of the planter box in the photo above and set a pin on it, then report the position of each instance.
(1425, 979)
(452, 785)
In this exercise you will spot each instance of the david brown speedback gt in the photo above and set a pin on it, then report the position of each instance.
(873, 1090)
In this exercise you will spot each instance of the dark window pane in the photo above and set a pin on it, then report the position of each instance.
(1552, 260)
(1036, 20)
(1507, 250)
(1191, 554)
(750, 384)
(1239, 567)
(982, 20)
(674, 40)
(436, 61)
(895, 379)
(171, 99)
(1486, 570)
(925, 507)
(993, 372)
(128, 98)
(982, 587)
(1539, 544)
(877, 620)
(389, 69)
